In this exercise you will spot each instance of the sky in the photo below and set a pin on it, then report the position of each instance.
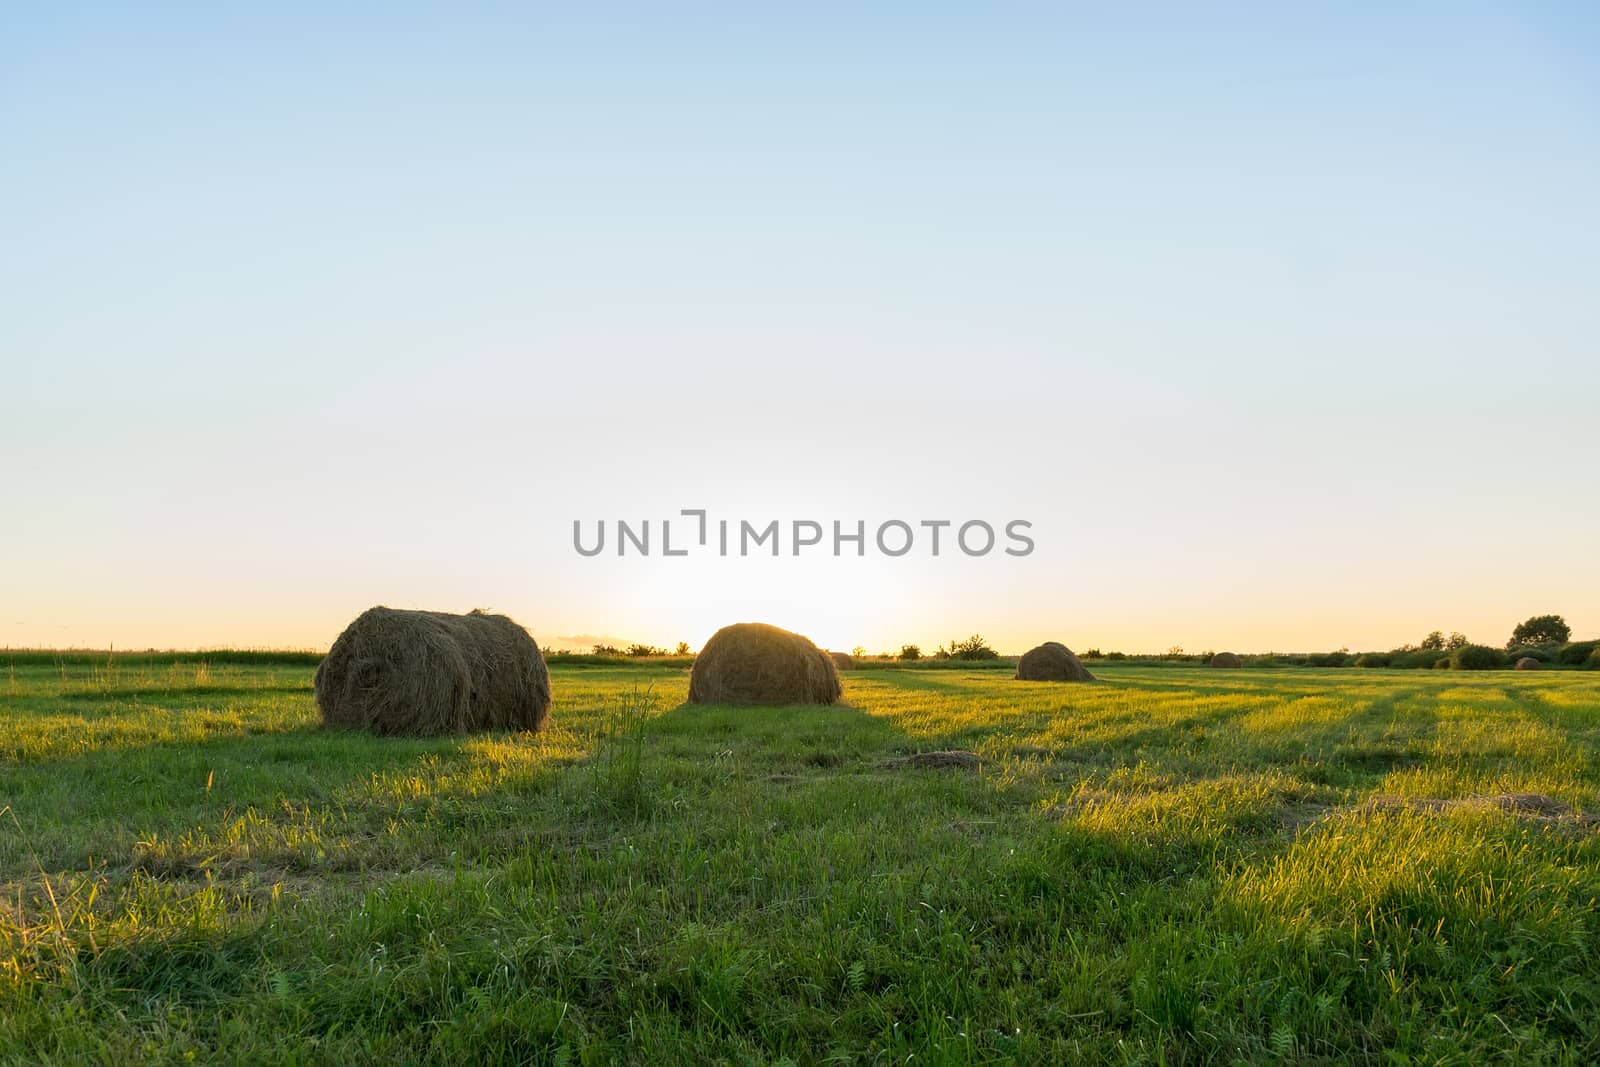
(1278, 323)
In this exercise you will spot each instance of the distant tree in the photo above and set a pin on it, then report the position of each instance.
(1175, 652)
(1434, 642)
(607, 650)
(641, 651)
(974, 647)
(1540, 630)
(910, 652)
(1093, 653)
(1457, 640)
(858, 651)
(682, 649)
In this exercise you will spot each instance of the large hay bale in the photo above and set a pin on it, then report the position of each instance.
(1226, 661)
(842, 661)
(753, 663)
(423, 673)
(1528, 663)
(1051, 662)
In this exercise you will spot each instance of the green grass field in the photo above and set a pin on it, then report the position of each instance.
(1173, 865)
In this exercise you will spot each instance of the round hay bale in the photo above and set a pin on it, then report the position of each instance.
(842, 661)
(753, 663)
(1051, 662)
(425, 673)
(1226, 661)
(1528, 663)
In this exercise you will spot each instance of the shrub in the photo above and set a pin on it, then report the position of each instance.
(1477, 658)
(1543, 654)
(1328, 659)
(682, 649)
(640, 651)
(1374, 659)
(1442, 663)
(1413, 659)
(910, 652)
(1594, 659)
(1116, 655)
(1577, 653)
(1093, 653)
(607, 650)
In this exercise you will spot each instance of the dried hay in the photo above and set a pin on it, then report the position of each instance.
(1535, 806)
(954, 758)
(1051, 662)
(753, 663)
(425, 673)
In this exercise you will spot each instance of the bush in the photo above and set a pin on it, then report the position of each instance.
(1593, 660)
(639, 651)
(1328, 659)
(910, 652)
(1442, 663)
(1477, 658)
(1374, 659)
(682, 649)
(1543, 654)
(1116, 655)
(1413, 659)
(1578, 653)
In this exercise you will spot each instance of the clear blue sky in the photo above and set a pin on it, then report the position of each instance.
(1279, 322)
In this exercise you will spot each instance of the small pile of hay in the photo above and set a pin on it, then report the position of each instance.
(1528, 663)
(1226, 660)
(842, 661)
(1535, 806)
(753, 663)
(424, 673)
(1051, 662)
(958, 759)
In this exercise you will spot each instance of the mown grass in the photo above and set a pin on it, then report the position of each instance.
(1173, 865)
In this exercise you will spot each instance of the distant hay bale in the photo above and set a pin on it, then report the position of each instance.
(425, 673)
(842, 661)
(1051, 662)
(753, 663)
(1226, 661)
(1528, 663)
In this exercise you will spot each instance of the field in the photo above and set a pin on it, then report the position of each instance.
(1174, 865)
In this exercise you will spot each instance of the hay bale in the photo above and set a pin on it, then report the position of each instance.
(842, 661)
(424, 673)
(753, 663)
(1226, 661)
(1528, 663)
(1051, 662)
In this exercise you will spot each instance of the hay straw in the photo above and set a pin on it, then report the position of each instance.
(1051, 662)
(424, 673)
(753, 663)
